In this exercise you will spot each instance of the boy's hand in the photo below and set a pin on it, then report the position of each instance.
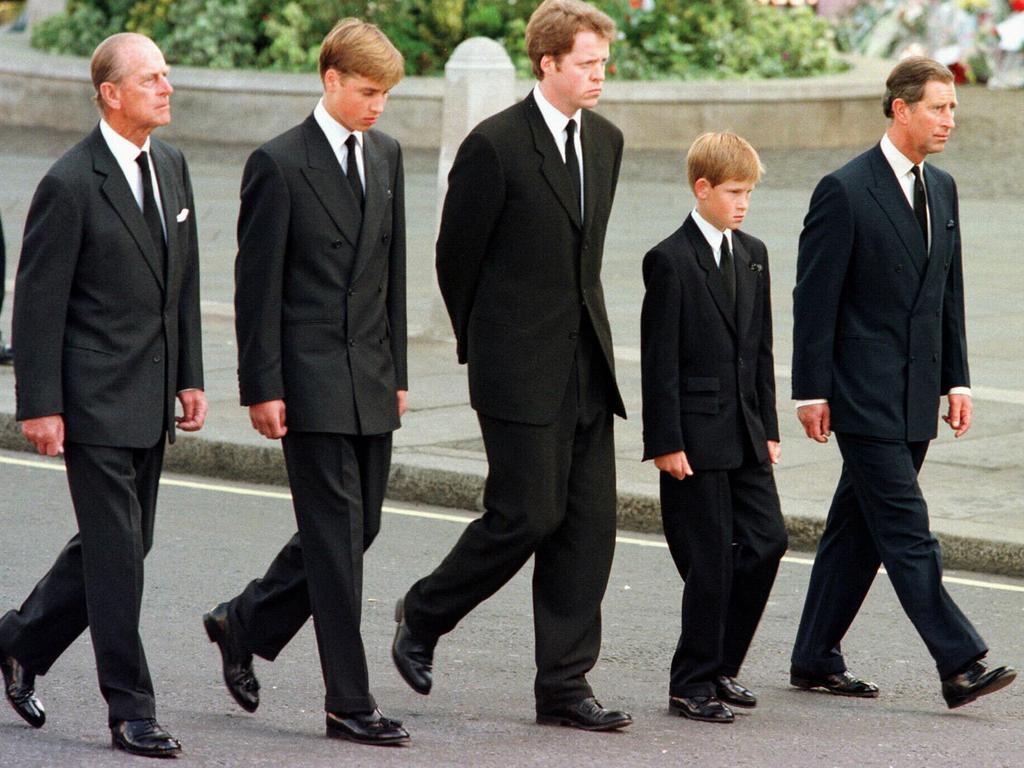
(960, 412)
(774, 451)
(816, 421)
(675, 464)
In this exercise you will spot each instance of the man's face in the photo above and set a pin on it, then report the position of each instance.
(142, 99)
(353, 100)
(574, 81)
(725, 205)
(928, 123)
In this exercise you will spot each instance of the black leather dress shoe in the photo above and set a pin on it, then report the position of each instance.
(730, 692)
(143, 737)
(414, 656)
(366, 728)
(841, 684)
(707, 709)
(19, 686)
(238, 673)
(587, 714)
(977, 680)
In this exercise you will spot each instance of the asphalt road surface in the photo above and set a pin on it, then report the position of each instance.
(213, 537)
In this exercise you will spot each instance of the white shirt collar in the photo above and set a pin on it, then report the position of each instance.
(124, 151)
(554, 119)
(336, 133)
(711, 233)
(900, 163)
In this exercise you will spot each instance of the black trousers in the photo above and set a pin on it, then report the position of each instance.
(878, 516)
(338, 484)
(97, 579)
(726, 534)
(550, 493)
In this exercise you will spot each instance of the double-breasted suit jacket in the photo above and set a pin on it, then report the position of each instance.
(516, 265)
(708, 371)
(113, 337)
(320, 287)
(879, 325)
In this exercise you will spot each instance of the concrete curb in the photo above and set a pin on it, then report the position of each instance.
(462, 488)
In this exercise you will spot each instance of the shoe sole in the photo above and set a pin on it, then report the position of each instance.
(162, 754)
(996, 685)
(565, 721)
(683, 713)
(213, 632)
(811, 685)
(399, 615)
(740, 704)
(388, 742)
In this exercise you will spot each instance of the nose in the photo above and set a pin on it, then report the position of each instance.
(165, 85)
(598, 73)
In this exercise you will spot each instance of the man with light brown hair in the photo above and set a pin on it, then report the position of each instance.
(519, 265)
(321, 325)
(878, 338)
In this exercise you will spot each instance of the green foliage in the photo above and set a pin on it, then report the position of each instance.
(675, 39)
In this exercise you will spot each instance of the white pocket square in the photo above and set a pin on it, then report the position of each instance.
(182, 215)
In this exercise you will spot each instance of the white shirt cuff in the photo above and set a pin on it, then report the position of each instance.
(959, 391)
(816, 401)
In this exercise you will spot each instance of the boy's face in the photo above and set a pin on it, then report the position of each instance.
(353, 100)
(724, 205)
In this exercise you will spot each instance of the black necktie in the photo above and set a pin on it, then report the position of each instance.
(728, 270)
(150, 212)
(920, 204)
(352, 171)
(572, 162)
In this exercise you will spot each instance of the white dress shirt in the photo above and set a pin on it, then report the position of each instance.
(337, 134)
(126, 153)
(556, 123)
(713, 235)
(901, 166)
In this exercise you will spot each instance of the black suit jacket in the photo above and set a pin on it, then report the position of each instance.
(107, 339)
(320, 300)
(516, 266)
(708, 374)
(878, 323)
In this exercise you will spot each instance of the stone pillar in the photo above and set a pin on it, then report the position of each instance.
(37, 10)
(479, 81)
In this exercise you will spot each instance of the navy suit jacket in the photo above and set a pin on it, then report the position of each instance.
(107, 338)
(879, 322)
(708, 373)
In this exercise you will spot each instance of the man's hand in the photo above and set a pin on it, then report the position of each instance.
(816, 421)
(774, 451)
(959, 416)
(268, 418)
(675, 464)
(403, 406)
(193, 410)
(46, 433)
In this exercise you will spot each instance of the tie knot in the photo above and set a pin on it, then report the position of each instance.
(916, 170)
(350, 142)
(143, 159)
(725, 250)
(570, 128)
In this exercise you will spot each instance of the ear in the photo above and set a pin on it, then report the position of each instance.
(900, 108)
(548, 64)
(111, 95)
(332, 80)
(702, 188)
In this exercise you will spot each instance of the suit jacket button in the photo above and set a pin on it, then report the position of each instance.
(350, 292)
(573, 335)
(935, 358)
(157, 358)
(740, 362)
(336, 244)
(899, 267)
(351, 342)
(385, 238)
(913, 359)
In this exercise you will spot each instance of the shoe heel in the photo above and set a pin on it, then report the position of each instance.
(210, 626)
(799, 682)
(399, 610)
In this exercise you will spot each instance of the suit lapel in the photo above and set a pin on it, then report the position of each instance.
(323, 173)
(552, 165)
(746, 285)
(714, 282)
(378, 192)
(890, 198)
(941, 213)
(596, 168)
(115, 189)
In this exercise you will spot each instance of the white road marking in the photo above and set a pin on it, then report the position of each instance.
(455, 518)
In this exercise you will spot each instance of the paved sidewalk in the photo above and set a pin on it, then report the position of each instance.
(975, 486)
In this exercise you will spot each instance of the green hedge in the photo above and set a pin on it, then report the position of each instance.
(663, 39)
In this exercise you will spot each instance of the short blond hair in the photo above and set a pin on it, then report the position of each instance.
(553, 27)
(356, 47)
(720, 157)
